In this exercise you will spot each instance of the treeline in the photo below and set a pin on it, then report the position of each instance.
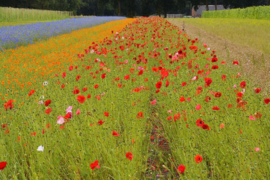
(129, 8)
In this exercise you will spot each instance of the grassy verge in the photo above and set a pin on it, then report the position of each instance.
(245, 32)
(235, 40)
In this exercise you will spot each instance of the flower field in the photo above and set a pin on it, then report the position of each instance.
(141, 101)
(14, 36)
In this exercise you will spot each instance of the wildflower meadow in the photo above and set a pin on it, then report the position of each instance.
(141, 101)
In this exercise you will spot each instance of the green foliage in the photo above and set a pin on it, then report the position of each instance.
(256, 12)
(20, 14)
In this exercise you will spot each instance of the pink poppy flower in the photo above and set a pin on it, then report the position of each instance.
(60, 120)
(154, 102)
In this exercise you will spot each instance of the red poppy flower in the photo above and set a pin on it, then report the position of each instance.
(167, 83)
(140, 115)
(89, 96)
(207, 98)
(47, 103)
(80, 98)
(129, 155)
(198, 158)
(243, 84)
(84, 89)
(205, 126)
(214, 59)
(258, 115)
(158, 85)
(31, 92)
(230, 105)
(236, 62)
(33, 133)
(267, 100)
(181, 168)
(68, 115)
(115, 133)
(208, 81)
(9, 104)
(96, 86)
(215, 67)
(193, 47)
(126, 77)
(218, 94)
(100, 122)
(184, 83)
(199, 123)
(140, 73)
(70, 68)
(94, 165)
(76, 91)
(257, 90)
(103, 75)
(106, 114)
(239, 94)
(48, 111)
(154, 69)
(182, 99)
(223, 77)
(78, 77)
(64, 75)
(62, 86)
(4, 126)
(169, 118)
(3, 165)
(216, 108)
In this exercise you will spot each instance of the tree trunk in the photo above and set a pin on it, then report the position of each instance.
(269, 2)
(206, 3)
(119, 8)
(165, 13)
(215, 4)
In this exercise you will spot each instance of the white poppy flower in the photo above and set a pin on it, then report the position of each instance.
(40, 148)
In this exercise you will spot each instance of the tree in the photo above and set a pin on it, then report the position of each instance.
(146, 7)
(206, 4)
(130, 7)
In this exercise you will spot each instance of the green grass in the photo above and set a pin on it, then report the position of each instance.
(256, 12)
(8, 14)
(248, 32)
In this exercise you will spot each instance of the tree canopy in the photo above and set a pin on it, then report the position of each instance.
(129, 8)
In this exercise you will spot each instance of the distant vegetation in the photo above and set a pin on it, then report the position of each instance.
(129, 8)
(20, 14)
(259, 12)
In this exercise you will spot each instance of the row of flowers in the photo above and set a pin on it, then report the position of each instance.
(14, 36)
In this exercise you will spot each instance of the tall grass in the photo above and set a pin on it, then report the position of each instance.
(258, 12)
(8, 14)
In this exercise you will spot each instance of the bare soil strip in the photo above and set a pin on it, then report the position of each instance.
(160, 163)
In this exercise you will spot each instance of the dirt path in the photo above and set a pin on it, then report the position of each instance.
(254, 65)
